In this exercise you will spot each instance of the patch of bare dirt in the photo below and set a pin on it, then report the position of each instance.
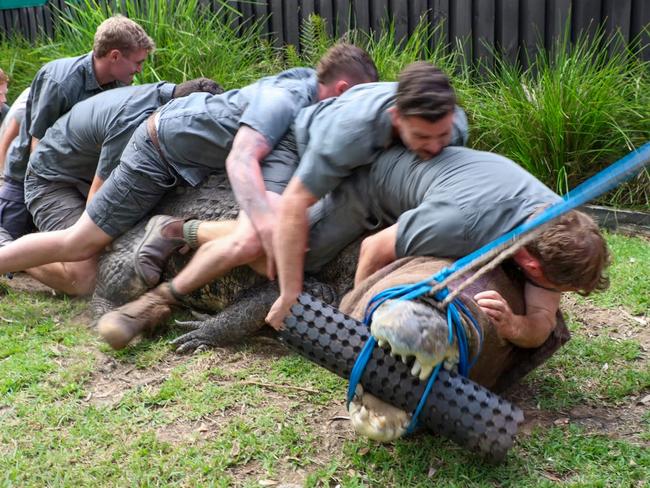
(24, 283)
(616, 422)
(113, 379)
(617, 324)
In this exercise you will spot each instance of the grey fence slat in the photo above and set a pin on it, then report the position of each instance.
(399, 11)
(292, 22)
(506, 35)
(307, 7)
(379, 14)
(262, 14)
(532, 18)
(276, 21)
(460, 25)
(326, 10)
(641, 19)
(417, 9)
(32, 20)
(23, 23)
(616, 14)
(439, 17)
(617, 22)
(483, 31)
(343, 17)
(362, 15)
(586, 17)
(557, 18)
(247, 10)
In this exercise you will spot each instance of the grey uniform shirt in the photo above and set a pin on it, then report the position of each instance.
(454, 203)
(336, 136)
(196, 132)
(446, 207)
(90, 138)
(56, 88)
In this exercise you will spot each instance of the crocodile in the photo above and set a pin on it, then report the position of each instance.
(237, 303)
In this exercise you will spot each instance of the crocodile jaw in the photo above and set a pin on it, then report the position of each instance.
(412, 329)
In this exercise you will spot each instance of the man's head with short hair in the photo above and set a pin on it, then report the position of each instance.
(572, 254)
(197, 85)
(123, 46)
(343, 66)
(4, 86)
(424, 109)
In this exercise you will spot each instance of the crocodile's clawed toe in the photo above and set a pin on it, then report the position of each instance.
(376, 419)
(414, 331)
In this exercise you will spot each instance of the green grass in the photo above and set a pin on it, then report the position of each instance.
(236, 416)
(631, 266)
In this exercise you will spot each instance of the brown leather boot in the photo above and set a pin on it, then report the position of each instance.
(163, 237)
(122, 325)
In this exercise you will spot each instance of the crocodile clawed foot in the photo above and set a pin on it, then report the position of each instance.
(376, 419)
(414, 330)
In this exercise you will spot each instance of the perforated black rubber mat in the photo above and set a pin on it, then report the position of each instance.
(457, 408)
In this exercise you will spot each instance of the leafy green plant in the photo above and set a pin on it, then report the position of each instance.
(575, 110)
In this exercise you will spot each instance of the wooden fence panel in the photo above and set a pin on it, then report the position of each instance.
(586, 16)
(277, 28)
(362, 15)
(483, 22)
(440, 19)
(344, 21)
(292, 22)
(326, 10)
(506, 36)
(400, 14)
(460, 25)
(262, 14)
(417, 9)
(640, 20)
(379, 14)
(532, 19)
(557, 19)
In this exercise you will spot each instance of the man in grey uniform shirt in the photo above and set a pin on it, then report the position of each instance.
(120, 47)
(77, 155)
(450, 206)
(184, 141)
(349, 133)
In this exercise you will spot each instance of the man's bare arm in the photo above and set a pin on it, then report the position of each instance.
(9, 134)
(530, 330)
(243, 166)
(377, 251)
(290, 243)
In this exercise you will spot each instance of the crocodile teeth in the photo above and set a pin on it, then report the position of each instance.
(405, 358)
(415, 370)
(425, 372)
(363, 413)
(381, 342)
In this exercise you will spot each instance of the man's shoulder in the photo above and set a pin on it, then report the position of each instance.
(60, 70)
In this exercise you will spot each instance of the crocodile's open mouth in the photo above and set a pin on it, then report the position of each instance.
(414, 331)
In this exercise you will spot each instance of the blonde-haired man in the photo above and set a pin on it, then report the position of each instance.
(120, 48)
